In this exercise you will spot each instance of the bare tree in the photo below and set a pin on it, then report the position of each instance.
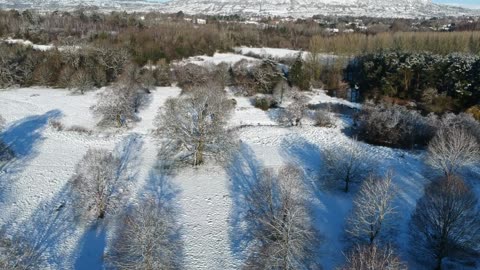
(295, 111)
(280, 223)
(2, 123)
(81, 81)
(17, 254)
(119, 104)
(147, 239)
(451, 149)
(97, 184)
(372, 209)
(197, 122)
(112, 60)
(5, 152)
(345, 163)
(446, 222)
(372, 257)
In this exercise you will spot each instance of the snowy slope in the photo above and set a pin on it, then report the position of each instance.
(296, 8)
(209, 198)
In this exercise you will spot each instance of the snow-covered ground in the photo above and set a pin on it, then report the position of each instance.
(33, 186)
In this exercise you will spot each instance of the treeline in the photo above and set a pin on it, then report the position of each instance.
(436, 42)
(434, 82)
(75, 68)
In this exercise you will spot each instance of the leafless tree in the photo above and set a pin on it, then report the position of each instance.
(197, 122)
(295, 111)
(446, 221)
(97, 185)
(373, 257)
(81, 81)
(5, 152)
(280, 223)
(17, 254)
(147, 238)
(119, 104)
(345, 163)
(372, 209)
(451, 149)
(112, 59)
(2, 123)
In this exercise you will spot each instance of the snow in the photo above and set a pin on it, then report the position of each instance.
(217, 58)
(39, 47)
(269, 52)
(209, 198)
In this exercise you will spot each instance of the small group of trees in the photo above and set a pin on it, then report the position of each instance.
(283, 235)
(394, 125)
(146, 235)
(398, 126)
(369, 226)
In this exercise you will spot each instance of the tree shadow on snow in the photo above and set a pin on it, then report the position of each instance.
(91, 248)
(243, 171)
(50, 224)
(21, 138)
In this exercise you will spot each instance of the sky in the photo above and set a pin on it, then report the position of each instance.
(466, 3)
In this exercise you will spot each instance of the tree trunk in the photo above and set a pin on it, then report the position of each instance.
(199, 154)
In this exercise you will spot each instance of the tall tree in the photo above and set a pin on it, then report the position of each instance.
(446, 221)
(372, 209)
(197, 123)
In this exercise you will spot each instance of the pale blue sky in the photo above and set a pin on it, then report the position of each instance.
(468, 3)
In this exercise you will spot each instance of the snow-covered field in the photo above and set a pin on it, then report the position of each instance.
(33, 186)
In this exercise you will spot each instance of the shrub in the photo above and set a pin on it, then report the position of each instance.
(475, 112)
(394, 125)
(323, 118)
(264, 102)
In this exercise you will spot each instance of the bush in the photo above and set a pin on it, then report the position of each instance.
(264, 102)
(475, 112)
(57, 125)
(394, 125)
(323, 118)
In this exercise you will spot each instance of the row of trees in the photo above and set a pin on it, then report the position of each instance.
(79, 69)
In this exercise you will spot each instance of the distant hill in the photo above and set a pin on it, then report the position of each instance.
(295, 8)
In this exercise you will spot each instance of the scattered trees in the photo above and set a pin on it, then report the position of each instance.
(197, 123)
(345, 163)
(369, 257)
(97, 184)
(147, 238)
(451, 149)
(372, 210)
(446, 221)
(280, 223)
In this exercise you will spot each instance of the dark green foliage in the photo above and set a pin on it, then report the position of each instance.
(298, 75)
(408, 75)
